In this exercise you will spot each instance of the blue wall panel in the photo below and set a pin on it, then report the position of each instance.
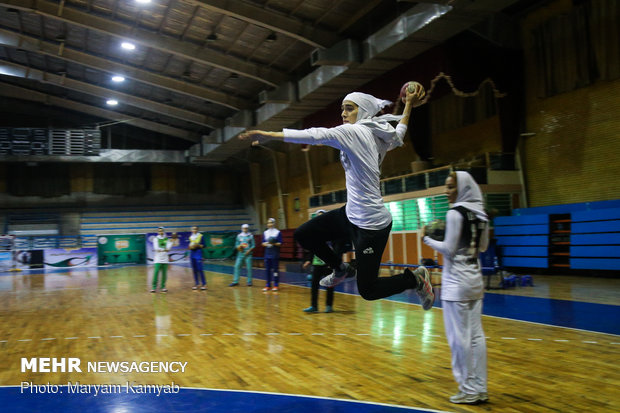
(567, 208)
(598, 251)
(522, 230)
(595, 239)
(529, 240)
(525, 251)
(525, 262)
(599, 226)
(596, 215)
(522, 220)
(595, 263)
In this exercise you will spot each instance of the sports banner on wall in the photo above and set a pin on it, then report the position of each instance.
(178, 253)
(219, 245)
(116, 249)
(62, 258)
(6, 261)
(26, 259)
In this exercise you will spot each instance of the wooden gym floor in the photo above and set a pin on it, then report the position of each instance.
(240, 338)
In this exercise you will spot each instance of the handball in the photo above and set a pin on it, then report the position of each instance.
(242, 246)
(412, 87)
(435, 230)
(272, 240)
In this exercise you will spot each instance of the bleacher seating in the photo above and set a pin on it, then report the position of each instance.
(584, 236)
(524, 240)
(33, 224)
(173, 220)
(595, 239)
(290, 249)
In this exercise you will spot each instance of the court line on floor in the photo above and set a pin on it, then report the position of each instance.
(322, 334)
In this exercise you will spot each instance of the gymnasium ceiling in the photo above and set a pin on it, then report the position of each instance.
(204, 70)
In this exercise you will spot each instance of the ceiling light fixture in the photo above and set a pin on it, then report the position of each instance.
(143, 1)
(212, 37)
(118, 79)
(128, 46)
(112, 102)
(272, 37)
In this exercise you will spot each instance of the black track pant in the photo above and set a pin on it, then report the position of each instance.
(369, 245)
(318, 272)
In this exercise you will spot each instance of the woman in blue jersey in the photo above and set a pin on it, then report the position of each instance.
(195, 255)
(272, 241)
(363, 140)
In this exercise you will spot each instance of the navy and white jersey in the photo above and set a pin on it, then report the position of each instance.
(272, 251)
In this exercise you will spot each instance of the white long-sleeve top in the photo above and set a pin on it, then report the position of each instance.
(461, 279)
(161, 246)
(361, 154)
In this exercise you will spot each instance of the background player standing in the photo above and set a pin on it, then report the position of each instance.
(161, 246)
(272, 240)
(195, 246)
(244, 244)
(462, 288)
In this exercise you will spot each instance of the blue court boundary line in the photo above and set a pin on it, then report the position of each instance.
(332, 402)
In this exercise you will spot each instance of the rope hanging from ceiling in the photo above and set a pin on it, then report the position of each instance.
(459, 92)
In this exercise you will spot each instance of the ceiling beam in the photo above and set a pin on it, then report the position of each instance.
(32, 44)
(16, 92)
(210, 57)
(271, 20)
(17, 70)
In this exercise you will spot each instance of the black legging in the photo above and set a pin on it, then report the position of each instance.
(369, 245)
(318, 272)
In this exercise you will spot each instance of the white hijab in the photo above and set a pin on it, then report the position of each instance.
(368, 107)
(469, 195)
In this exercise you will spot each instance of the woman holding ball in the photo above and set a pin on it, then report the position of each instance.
(363, 140)
(462, 290)
(244, 244)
